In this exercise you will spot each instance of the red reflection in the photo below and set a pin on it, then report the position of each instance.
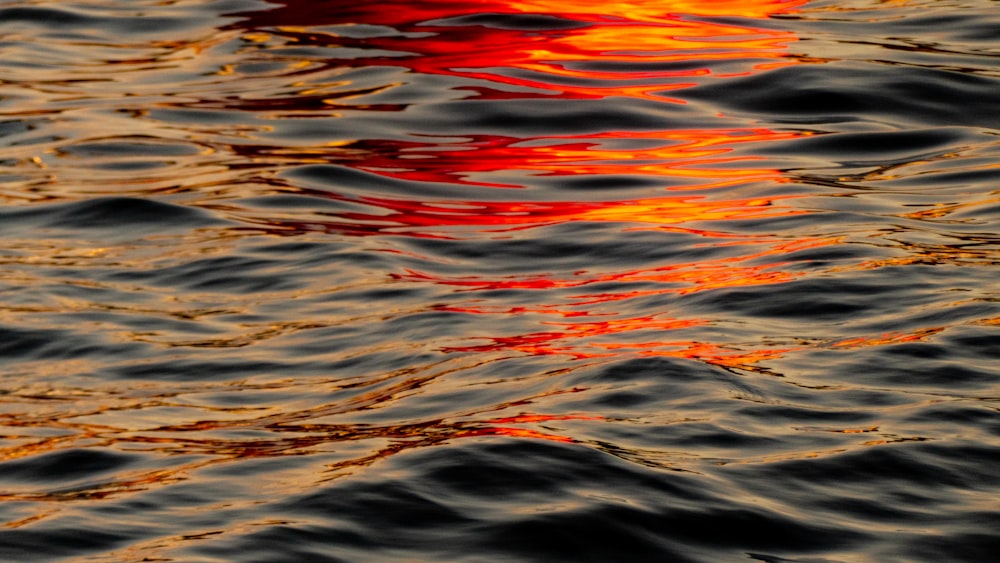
(571, 49)
(402, 14)
(432, 219)
(564, 49)
(554, 341)
(574, 340)
(582, 338)
(565, 343)
(693, 155)
(685, 278)
(657, 47)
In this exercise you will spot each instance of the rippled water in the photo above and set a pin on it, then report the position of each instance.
(500, 280)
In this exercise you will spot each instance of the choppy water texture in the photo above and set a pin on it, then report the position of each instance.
(500, 280)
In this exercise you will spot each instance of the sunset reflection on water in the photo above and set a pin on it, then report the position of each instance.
(675, 180)
(261, 256)
(652, 51)
(669, 49)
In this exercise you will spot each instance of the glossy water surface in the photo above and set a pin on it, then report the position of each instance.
(499, 280)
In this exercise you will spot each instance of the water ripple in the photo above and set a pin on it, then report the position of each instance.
(508, 281)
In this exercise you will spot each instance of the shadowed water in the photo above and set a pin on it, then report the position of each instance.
(499, 280)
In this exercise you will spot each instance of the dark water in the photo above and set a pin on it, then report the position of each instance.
(500, 280)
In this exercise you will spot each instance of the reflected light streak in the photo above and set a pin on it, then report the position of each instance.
(403, 13)
(404, 437)
(572, 342)
(433, 219)
(548, 62)
(640, 10)
(697, 276)
(703, 154)
(291, 432)
(625, 49)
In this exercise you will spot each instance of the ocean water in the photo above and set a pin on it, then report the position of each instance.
(499, 280)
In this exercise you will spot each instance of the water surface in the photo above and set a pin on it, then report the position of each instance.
(499, 280)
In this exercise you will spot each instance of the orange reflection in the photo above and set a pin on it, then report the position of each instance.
(690, 154)
(553, 341)
(682, 159)
(435, 218)
(578, 340)
(671, 47)
(598, 50)
(403, 14)
(579, 50)
(685, 278)
(886, 339)
(587, 340)
(514, 433)
(640, 10)
(288, 432)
